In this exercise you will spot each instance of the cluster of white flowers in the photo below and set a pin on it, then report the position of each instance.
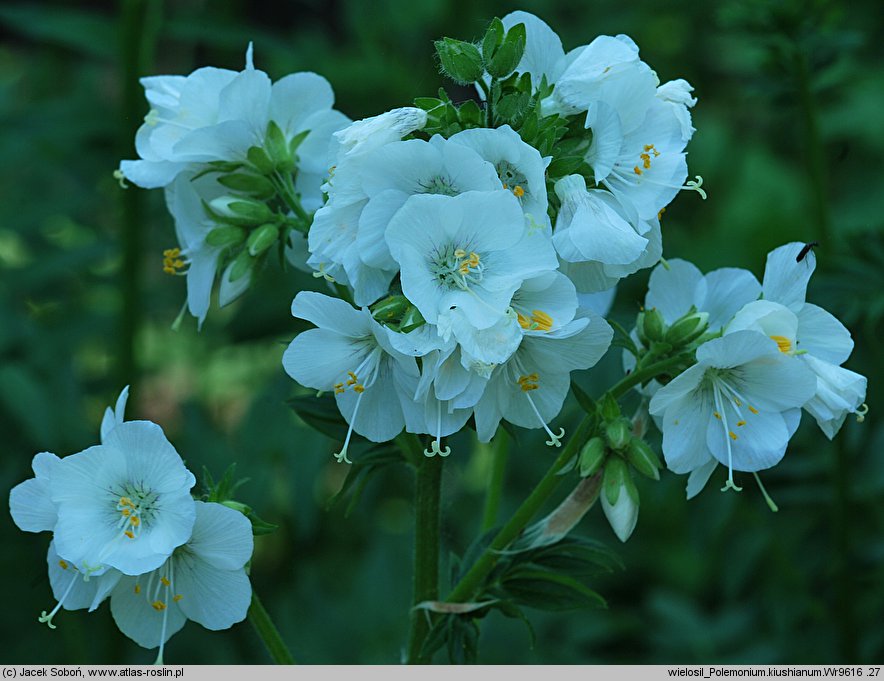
(461, 233)
(775, 355)
(124, 525)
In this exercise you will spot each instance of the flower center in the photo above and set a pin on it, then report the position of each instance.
(511, 178)
(538, 321)
(172, 261)
(455, 268)
(135, 507)
(439, 185)
(645, 159)
(783, 343)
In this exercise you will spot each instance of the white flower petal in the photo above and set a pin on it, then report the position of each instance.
(822, 335)
(785, 279)
(221, 536)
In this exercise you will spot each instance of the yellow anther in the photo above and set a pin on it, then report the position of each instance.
(172, 261)
(648, 147)
(660, 214)
(783, 343)
(460, 253)
(524, 322)
(518, 191)
(171, 252)
(63, 564)
(125, 511)
(542, 320)
(505, 185)
(135, 521)
(177, 597)
(358, 388)
(646, 160)
(159, 606)
(339, 388)
(474, 259)
(733, 435)
(741, 423)
(529, 382)
(753, 409)
(637, 170)
(738, 402)
(129, 534)
(353, 380)
(126, 501)
(716, 415)
(464, 268)
(165, 581)
(137, 588)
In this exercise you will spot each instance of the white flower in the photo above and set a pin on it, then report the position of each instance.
(204, 580)
(124, 503)
(217, 114)
(809, 332)
(739, 405)
(544, 56)
(529, 389)
(463, 257)
(597, 239)
(370, 133)
(609, 73)
(114, 417)
(346, 239)
(30, 502)
(677, 93)
(678, 285)
(519, 166)
(351, 355)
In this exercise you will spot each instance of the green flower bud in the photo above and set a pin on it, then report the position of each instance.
(616, 475)
(390, 308)
(248, 184)
(260, 160)
(241, 211)
(411, 320)
(652, 326)
(687, 329)
(609, 408)
(640, 327)
(618, 434)
(643, 458)
(226, 235)
(262, 238)
(460, 61)
(241, 266)
(492, 40)
(509, 54)
(592, 456)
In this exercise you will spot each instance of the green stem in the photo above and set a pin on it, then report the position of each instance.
(499, 455)
(486, 90)
(466, 588)
(139, 24)
(426, 552)
(268, 632)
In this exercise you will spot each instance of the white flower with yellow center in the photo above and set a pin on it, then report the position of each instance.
(463, 257)
(808, 332)
(204, 580)
(529, 389)
(351, 355)
(124, 503)
(739, 405)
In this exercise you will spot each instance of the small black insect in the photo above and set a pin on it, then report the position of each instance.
(805, 250)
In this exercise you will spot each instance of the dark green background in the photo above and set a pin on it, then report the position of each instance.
(790, 142)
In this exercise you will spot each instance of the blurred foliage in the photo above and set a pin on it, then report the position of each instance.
(789, 142)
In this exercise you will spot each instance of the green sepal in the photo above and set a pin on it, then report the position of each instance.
(411, 320)
(296, 141)
(255, 185)
(618, 434)
(610, 410)
(492, 39)
(260, 160)
(262, 238)
(643, 458)
(616, 475)
(592, 456)
(509, 53)
(226, 235)
(390, 308)
(652, 325)
(278, 148)
(241, 266)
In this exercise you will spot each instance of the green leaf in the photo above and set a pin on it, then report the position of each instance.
(322, 414)
(545, 590)
(509, 54)
(255, 185)
(584, 400)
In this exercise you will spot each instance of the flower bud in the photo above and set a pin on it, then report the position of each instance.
(687, 329)
(241, 211)
(592, 456)
(622, 515)
(616, 474)
(262, 238)
(390, 308)
(509, 53)
(226, 235)
(618, 434)
(652, 327)
(241, 266)
(643, 458)
(460, 61)
(610, 410)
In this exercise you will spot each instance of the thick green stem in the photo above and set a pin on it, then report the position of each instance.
(426, 552)
(499, 455)
(139, 22)
(268, 632)
(466, 588)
